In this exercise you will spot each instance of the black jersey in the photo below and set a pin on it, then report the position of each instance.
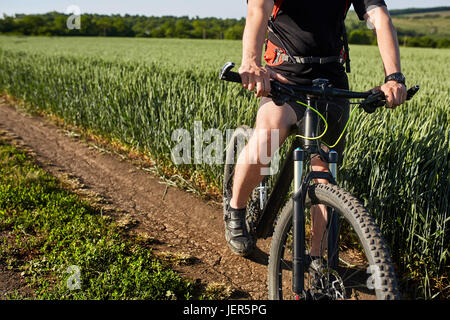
(312, 28)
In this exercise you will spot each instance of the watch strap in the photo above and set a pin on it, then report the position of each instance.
(398, 77)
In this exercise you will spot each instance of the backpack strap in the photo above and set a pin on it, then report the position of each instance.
(276, 8)
(346, 50)
(271, 28)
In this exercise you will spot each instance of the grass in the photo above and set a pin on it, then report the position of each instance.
(138, 91)
(45, 230)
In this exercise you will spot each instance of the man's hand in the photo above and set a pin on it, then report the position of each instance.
(257, 78)
(395, 93)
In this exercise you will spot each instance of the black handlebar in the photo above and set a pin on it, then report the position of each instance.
(282, 93)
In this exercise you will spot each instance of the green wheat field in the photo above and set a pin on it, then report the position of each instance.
(138, 91)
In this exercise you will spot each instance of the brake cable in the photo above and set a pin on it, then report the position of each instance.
(320, 115)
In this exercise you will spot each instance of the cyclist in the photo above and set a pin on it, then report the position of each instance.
(305, 42)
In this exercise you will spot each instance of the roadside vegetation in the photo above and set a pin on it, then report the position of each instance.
(67, 249)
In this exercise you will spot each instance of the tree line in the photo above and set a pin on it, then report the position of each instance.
(55, 24)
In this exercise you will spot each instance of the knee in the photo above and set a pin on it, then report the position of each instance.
(263, 144)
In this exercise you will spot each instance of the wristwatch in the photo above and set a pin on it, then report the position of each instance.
(397, 77)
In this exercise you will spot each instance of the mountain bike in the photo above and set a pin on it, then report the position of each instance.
(354, 261)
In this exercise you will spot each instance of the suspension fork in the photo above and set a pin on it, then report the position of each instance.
(298, 221)
(298, 227)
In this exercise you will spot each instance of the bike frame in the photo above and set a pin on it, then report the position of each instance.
(292, 169)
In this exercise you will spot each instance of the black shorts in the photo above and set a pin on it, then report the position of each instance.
(335, 111)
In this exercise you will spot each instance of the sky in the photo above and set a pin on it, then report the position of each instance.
(192, 8)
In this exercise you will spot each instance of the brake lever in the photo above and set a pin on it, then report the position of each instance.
(377, 99)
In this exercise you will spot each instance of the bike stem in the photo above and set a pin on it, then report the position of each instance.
(311, 127)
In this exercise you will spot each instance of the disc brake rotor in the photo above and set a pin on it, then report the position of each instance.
(327, 285)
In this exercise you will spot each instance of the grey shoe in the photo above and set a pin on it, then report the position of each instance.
(237, 235)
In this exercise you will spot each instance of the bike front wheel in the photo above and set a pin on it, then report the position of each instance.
(362, 269)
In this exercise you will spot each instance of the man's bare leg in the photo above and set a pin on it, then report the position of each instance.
(247, 173)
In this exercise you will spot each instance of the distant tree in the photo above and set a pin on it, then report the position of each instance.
(235, 32)
(89, 26)
(105, 25)
(421, 42)
(59, 25)
(198, 28)
(118, 26)
(7, 24)
(183, 28)
(443, 43)
(168, 29)
(361, 37)
(30, 24)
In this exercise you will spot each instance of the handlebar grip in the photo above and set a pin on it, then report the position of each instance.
(227, 75)
(232, 77)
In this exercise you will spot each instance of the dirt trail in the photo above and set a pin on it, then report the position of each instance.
(179, 221)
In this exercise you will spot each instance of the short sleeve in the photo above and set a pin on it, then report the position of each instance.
(362, 6)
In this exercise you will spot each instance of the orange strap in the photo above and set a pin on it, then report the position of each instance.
(273, 54)
(276, 8)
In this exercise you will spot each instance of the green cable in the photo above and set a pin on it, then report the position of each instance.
(326, 126)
